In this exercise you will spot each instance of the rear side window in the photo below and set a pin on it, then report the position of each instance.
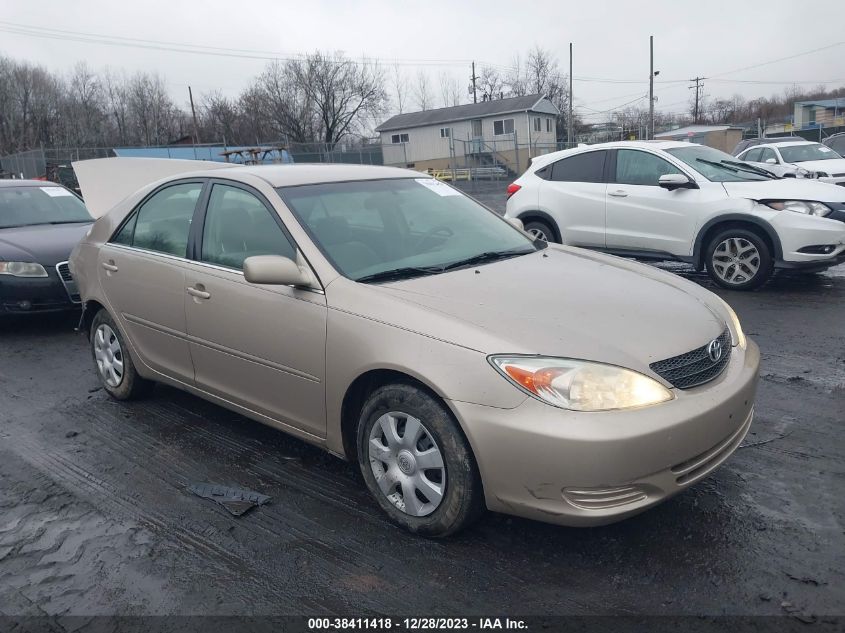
(586, 167)
(753, 155)
(634, 167)
(162, 223)
(238, 225)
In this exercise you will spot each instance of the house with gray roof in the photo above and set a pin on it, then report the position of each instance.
(501, 132)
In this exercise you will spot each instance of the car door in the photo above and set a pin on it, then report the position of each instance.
(142, 272)
(643, 216)
(573, 192)
(259, 346)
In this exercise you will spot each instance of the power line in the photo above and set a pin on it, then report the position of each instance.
(781, 59)
(699, 84)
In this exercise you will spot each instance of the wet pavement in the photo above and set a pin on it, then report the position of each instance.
(96, 516)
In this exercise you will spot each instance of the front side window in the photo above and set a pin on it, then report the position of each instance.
(162, 223)
(584, 167)
(634, 167)
(50, 204)
(811, 151)
(766, 153)
(419, 225)
(502, 126)
(753, 155)
(238, 225)
(837, 144)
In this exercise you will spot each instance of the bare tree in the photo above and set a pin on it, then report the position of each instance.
(490, 83)
(422, 91)
(450, 91)
(399, 82)
(284, 102)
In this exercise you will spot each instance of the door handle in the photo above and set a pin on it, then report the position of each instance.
(109, 266)
(198, 292)
(619, 193)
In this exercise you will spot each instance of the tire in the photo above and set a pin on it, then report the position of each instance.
(398, 408)
(540, 230)
(739, 259)
(112, 361)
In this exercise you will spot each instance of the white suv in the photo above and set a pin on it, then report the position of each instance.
(784, 157)
(666, 200)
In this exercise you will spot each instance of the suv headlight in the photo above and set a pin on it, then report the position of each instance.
(22, 269)
(580, 385)
(799, 206)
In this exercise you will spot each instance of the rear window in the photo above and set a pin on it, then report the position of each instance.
(50, 204)
(586, 167)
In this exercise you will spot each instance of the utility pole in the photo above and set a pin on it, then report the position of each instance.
(699, 84)
(194, 117)
(474, 78)
(569, 118)
(650, 132)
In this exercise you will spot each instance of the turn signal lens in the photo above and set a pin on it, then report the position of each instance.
(581, 385)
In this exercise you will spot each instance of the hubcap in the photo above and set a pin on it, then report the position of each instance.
(407, 463)
(109, 355)
(736, 260)
(538, 234)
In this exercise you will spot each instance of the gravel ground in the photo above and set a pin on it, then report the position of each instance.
(95, 517)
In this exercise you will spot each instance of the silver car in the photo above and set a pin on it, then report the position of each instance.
(391, 320)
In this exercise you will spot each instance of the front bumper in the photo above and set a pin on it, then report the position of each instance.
(582, 469)
(798, 231)
(27, 295)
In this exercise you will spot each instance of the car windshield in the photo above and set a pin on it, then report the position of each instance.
(715, 165)
(50, 204)
(802, 153)
(381, 229)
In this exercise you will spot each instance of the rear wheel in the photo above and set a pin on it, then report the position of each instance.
(114, 366)
(739, 259)
(540, 230)
(417, 463)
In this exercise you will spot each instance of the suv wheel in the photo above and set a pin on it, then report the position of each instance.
(417, 463)
(540, 230)
(738, 259)
(114, 366)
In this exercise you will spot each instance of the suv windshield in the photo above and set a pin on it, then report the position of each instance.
(801, 153)
(715, 165)
(388, 229)
(50, 204)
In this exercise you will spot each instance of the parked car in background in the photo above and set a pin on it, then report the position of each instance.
(40, 223)
(820, 161)
(836, 142)
(388, 318)
(668, 200)
(753, 142)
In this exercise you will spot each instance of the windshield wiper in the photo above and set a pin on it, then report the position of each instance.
(489, 256)
(719, 164)
(406, 272)
(750, 168)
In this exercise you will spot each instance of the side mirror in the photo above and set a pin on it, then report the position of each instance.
(517, 223)
(275, 270)
(676, 181)
(772, 161)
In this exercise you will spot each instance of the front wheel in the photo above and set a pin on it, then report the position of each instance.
(739, 259)
(417, 463)
(115, 368)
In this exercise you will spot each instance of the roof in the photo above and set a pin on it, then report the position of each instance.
(18, 182)
(824, 103)
(654, 144)
(309, 174)
(692, 130)
(462, 112)
(797, 141)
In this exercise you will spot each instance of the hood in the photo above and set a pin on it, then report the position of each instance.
(46, 244)
(557, 302)
(830, 166)
(787, 189)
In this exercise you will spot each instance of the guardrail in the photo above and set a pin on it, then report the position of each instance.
(469, 173)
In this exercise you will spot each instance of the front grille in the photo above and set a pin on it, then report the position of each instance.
(696, 367)
(64, 272)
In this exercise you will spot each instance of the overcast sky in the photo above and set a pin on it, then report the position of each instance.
(709, 38)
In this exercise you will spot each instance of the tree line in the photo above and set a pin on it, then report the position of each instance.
(319, 97)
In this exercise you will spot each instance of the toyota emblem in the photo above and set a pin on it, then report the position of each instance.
(714, 350)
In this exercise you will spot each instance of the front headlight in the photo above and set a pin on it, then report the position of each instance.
(739, 336)
(22, 269)
(799, 206)
(580, 385)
